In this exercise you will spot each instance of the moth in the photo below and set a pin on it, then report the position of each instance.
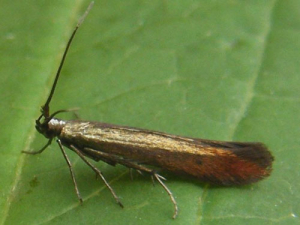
(217, 162)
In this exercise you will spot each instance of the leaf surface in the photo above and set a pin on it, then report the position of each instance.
(217, 70)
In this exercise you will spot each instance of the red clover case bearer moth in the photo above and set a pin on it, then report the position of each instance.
(216, 162)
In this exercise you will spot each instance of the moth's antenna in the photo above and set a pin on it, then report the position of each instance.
(45, 108)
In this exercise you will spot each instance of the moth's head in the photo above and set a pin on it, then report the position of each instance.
(41, 125)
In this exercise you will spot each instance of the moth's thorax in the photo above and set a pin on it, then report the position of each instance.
(56, 125)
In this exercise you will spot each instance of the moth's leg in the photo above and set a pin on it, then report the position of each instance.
(76, 115)
(138, 167)
(117, 159)
(78, 152)
(39, 151)
(71, 170)
(159, 178)
(62, 111)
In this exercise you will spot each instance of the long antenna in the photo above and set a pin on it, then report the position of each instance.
(45, 108)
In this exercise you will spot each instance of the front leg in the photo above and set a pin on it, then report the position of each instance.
(41, 150)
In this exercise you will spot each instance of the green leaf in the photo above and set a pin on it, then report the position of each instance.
(224, 70)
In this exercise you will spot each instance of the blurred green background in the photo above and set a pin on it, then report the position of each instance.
(224, 70)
